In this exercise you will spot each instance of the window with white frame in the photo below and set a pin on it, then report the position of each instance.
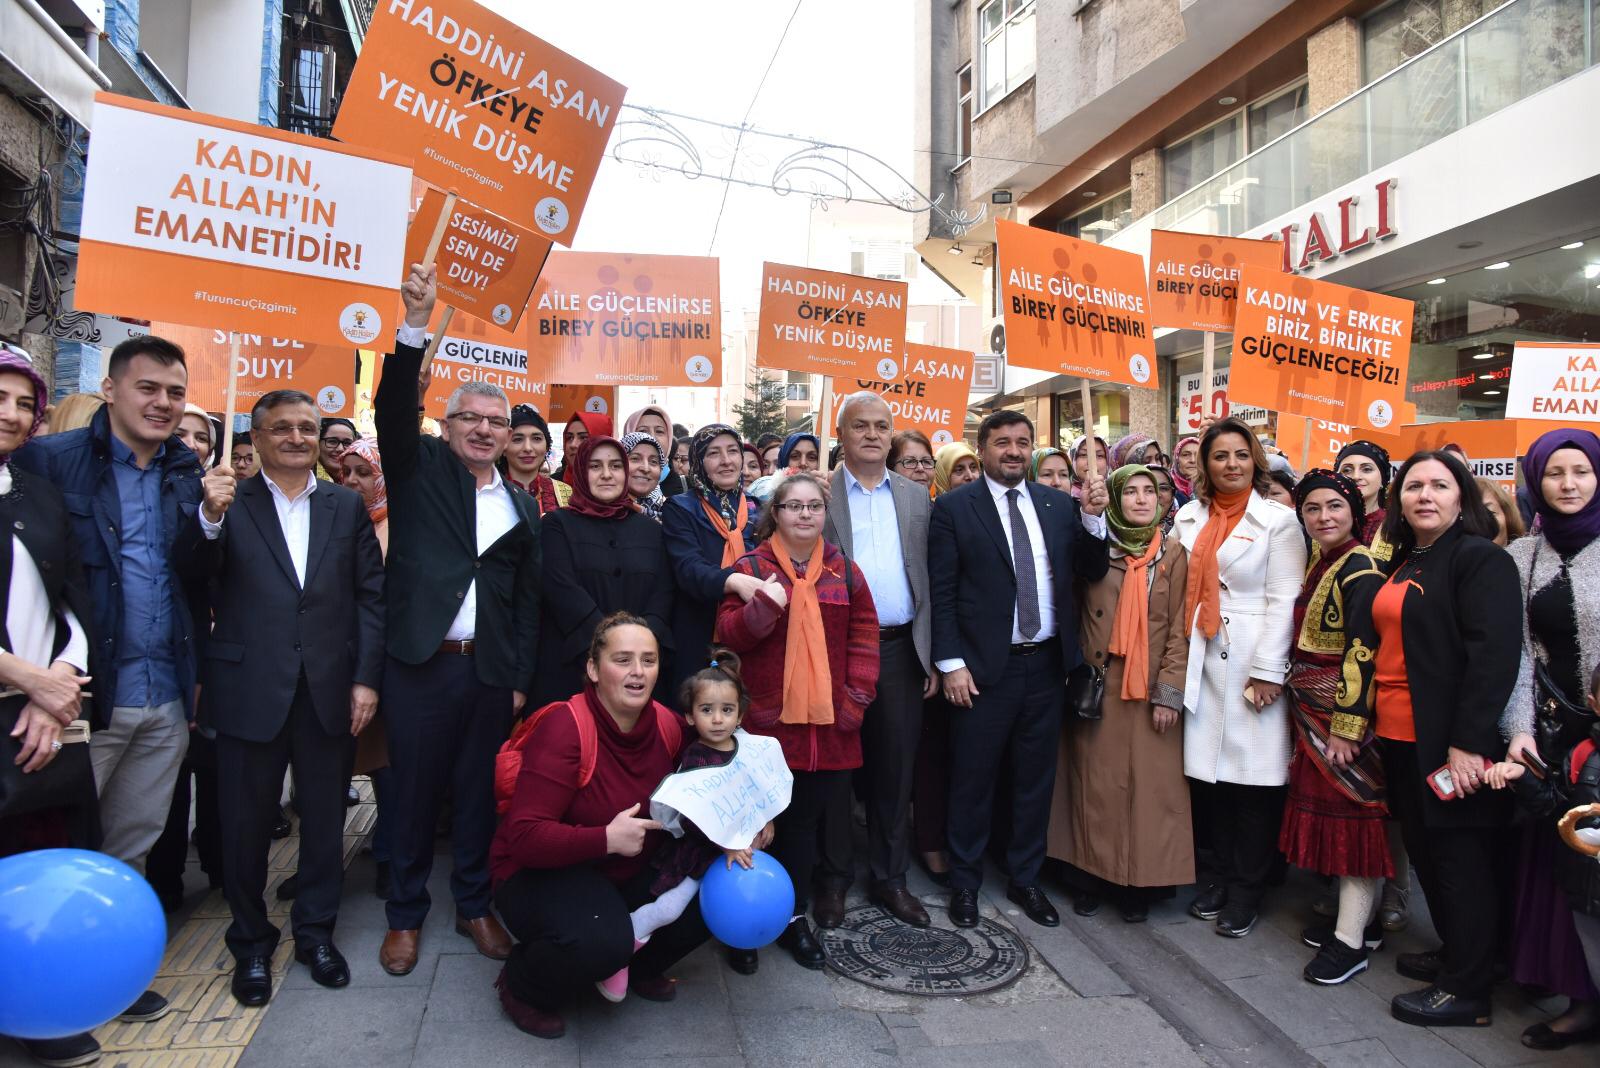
(1006, 29)
(964, 115)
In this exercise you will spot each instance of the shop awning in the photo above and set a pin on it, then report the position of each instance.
(38, 60)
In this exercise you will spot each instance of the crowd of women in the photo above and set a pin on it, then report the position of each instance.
(1322, 670)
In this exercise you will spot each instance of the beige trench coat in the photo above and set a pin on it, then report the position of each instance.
(1121, 805)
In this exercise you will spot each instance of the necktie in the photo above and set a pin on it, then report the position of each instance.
(1022, 560)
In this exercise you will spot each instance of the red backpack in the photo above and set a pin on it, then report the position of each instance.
(508, 762)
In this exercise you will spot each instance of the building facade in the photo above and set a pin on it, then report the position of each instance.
(1419, 148)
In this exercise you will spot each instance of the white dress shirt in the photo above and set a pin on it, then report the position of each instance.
(294, 519)
(876, 549)
(1094, 524)
(496, 514)
(28, 617)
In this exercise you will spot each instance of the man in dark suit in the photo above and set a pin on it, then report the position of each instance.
(880, 521)
(1002, 557)
(291, 673)
(463, 624)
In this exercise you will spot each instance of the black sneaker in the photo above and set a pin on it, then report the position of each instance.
(1208, 904)
(1236, 921)
(1432, 1007)
(1322, 935)
(146, 1007)
(1334, 963)
(1423, 967)
(66, 1052)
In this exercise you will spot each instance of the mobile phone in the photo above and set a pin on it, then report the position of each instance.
(1531, 761)
(1443, 783)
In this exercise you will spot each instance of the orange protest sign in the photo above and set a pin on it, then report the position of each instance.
(202, 220)
(1326, 440)
(487, 266)
(512, 122)
(475, 351)
(1194, 278)
(567, 401)
(1494, 447)
(609, 318)
(931, 395)
(1553, 380)
(831, 324)
(326, 372)
(1075, 308)
(1319, 349)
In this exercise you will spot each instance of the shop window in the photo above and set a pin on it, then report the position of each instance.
(1006, 28)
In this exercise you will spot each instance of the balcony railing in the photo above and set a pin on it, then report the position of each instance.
(1515, 51)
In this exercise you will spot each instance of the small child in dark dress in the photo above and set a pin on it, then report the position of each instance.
(715, 702)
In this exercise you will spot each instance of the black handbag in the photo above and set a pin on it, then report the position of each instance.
(1086, 690)
(64, 782)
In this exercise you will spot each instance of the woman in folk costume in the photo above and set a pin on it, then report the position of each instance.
(706, 531)
(1121, 807)
(1333, 823)
(1247, 558)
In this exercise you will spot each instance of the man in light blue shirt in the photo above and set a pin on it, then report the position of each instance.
(880, 521)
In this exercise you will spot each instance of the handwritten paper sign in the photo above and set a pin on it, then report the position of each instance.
(831, 324)
(729, 804)
(198, 219)
(1552, 381)
(1074, 307)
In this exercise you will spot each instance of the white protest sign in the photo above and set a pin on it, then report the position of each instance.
(731, 803)
(1552, 381)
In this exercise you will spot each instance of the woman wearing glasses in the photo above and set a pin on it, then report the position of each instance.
(808, 642)
(337, 435)
(911, 455)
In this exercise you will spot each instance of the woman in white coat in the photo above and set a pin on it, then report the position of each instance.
(1247, 558)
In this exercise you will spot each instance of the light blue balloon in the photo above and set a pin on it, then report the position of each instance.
(747, 909)
(81, 936)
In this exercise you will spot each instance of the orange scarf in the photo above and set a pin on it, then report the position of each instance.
(1130, 629)
(807, 681)
(1203, 592)
(732, 539)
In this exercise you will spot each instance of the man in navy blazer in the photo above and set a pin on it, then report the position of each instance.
(1003, 554)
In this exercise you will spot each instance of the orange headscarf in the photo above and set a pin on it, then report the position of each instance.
(807, 682)
(1130, 629)
(1203, 592)
(732, 537)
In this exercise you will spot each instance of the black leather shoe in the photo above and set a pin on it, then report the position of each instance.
(744, 961)
(1087, 905)
(1035, 904)
(69, 1052)
(383, 881)
(1432, 1007)
(803, 945)
(327, 964)
(1423, 967)
(281, 828)
(289, 888)
(252, 980)
(964, 908)
(1543, 1036)
(828, 906)
(1207, 904)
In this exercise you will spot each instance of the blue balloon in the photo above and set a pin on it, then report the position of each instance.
(81, 936)
(747, 909)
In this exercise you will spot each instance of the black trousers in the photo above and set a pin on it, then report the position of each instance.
(572, 930)
(168, 858)
(889, 738)
(819, 802)
(445, 728)
(1456, 867)
(1237, 837)
(1015, 721)
(249, 781)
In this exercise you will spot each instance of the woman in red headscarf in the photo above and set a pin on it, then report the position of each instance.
(601, 555)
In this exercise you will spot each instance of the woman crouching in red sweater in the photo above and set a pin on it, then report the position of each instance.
(571, 856)
(808, 640)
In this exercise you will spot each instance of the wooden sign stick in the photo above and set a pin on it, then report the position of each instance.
(1208, 368)
(824, 422)
(226, 456)
(1088, 430)
(438, 336)
(427, 261)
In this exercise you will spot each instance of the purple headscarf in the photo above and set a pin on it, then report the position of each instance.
(1566, 533)
(15, 363)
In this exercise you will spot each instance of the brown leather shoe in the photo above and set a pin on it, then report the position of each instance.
(901, 904)
(487, 934)
(828, 908)
(398, 954)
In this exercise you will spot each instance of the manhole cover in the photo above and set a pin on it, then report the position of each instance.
(874, 948)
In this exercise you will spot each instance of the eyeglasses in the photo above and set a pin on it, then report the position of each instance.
(283, 430)
(915, 461)
(797, 507)
(472, 419)
(338, 444)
